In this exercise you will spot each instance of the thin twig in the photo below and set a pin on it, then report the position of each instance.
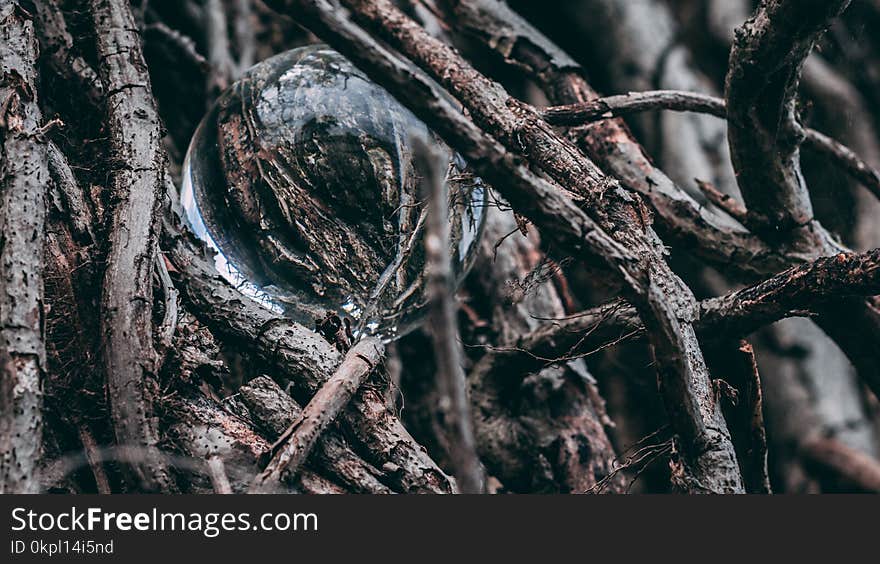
(440, 289)
(130, 359)
(170, 293)
(294, 446)
(675, 100)
(799, 291)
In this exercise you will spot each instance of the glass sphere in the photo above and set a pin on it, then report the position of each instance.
(303, 180)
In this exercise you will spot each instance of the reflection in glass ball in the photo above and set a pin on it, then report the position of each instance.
(302, 179)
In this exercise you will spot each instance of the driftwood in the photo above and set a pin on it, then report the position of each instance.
(649, 247)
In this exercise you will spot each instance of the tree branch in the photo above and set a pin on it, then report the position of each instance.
(275, 411)
(712, 464)
(675, 100)
(295, 445)
(23, 179)
(130, 360)
(763, 127)
(443, 321)
(802, 290)
(738, 386)
(702, 229)
(303, 358)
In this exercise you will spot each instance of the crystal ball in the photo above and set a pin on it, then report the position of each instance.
(304, 180)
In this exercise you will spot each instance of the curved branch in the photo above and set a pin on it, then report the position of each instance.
(764, 131)
(675, 100)
(804, 290)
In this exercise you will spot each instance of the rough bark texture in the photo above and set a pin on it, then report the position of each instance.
(159, 375)
(275, 411)
(130, 360)
(304, 359)
(765, 133)
(555, 436)
(24, 177)
(662, 298)
(296, 443)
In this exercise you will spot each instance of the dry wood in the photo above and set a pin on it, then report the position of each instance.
(681, 219)
(765, 63)
(275, 411)
(130, 360)
(443, 322)
(710, 463)
(24, 176)
(675, 100)
(559, 408)
(799, 291)
(148, 347)
(294, 445)
(738, 387)
(305, 359)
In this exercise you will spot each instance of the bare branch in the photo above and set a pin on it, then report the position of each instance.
(634, 102)
(305, 359)
(738, 387)
(763, 127)
(23, 179)
(294, 446)
(130, 360)
(675, 100)
(802, 290)
(709, 454)
(440, 288)
(798, 289)
(275, 411)
(702, 229)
